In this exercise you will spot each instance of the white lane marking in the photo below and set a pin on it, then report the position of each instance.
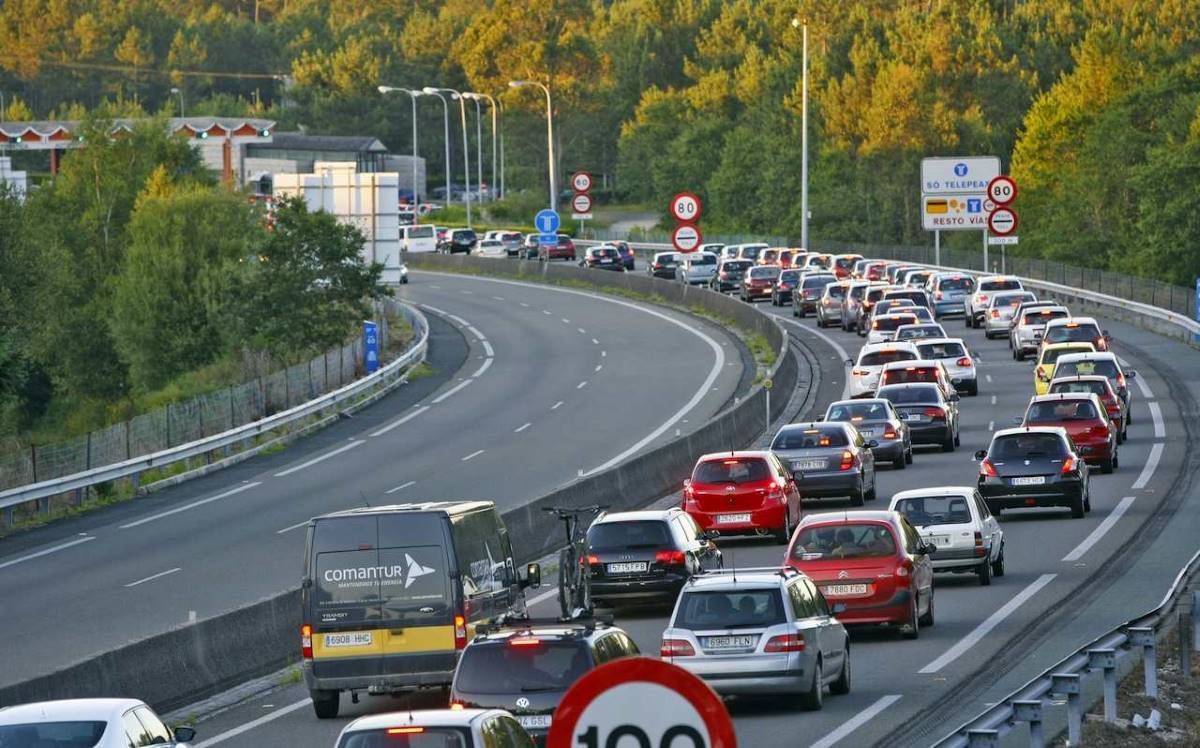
(293, 527)
(248, 726)
(557, 405)
(1151, 465)
(522, 303)
(462, 322)
(993, 399)
(519, 429)
(322, 458)
(487, 364)
(1160, 429)
(603, 354)
(437, 287)
(855, 722)
(1093, 538)
(599, 367)
(566, 321)
(498, 298)
(546, 312)
(473, 455)
(400, 421)
(581, 331)
(47, 551)
(991, 425)
(401, 487)
(595, 342)
(193, 505)
(487, 348)
(152, 577)
(434, 309)
(450, 392)
(465, 291)
(837, 347)
(581, 385)
(475, 331)
(965, 644)
(988, 377)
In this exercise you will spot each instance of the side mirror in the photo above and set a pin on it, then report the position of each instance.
(710, 535)
(926, 549)
(849, 362)
(820, 418)
(980, 454)
(872, 444)
(533, 576)
(184, 734)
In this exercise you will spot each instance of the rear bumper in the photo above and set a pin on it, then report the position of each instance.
(379, 683)
(1062, 494)
(964, 559)
(948, 308)
(929, 433)
(665, 588)
(825, 485)
(887, 450)
(756, 293)
(871, 611)
(763, 518)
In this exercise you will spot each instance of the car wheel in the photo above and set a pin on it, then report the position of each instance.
(325, 703)
(1116, 460)
(975, 389)
(795, 312)
(813, 699)
(998, 564)
(985, 574)
(845, 327)
(912, 627)
(927, 619)
(404, 280)
(803, 313)
(859, 499)
(1087, 502)
(900, 462)
(1129, 417)
(967, 320)
(841, 686)
(948, 444)
(871, 494)
(785, 532)
(957, 440)
(908, 456)
(1077, 507)
(1106, 466)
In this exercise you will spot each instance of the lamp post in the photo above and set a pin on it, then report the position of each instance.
(549, 136)
(413, 95)
(179, 93)
(503, 187)
(462, 111)
(803, 26)
(478, 144)
(445, 136)
(496, 192)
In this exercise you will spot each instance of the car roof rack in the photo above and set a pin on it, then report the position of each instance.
(586, 621)
(783, 571)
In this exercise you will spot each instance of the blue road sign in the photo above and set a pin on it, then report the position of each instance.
(960, 170)
(546, 221)
(370, 346)
(974, 205)
(548, 240)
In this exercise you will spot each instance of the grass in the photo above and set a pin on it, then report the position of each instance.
(761, 349)
(291, 677)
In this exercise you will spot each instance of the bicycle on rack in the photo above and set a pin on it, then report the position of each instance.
(574, 575)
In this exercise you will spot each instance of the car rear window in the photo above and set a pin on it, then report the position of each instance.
(1064, 410)
(1026, 446)
(916, 297)
(854, 412)
(609, 536)
(1095, 388)
(1102, 367)
(920, 331)
(845, 263)
(909, 374)
(732, 470)
(751, 253)
(819, 281)
(955, 284)
(464, 235)
(1012, 299)
(764, 272)
(704, 260)
(1051, 355)
(1000, 285)
(528, 666)
(917, 279)
(891, 323)
(1082, 333)
(941, 350)
(789, 276)
(879, 358)
(857, 292)
(849, 540)
(875, 294)
(910, 395)
(1042, 316)
(419, 232)
(810, 438)
(81, 734)
(730, 609)
(935, 510)
(835, 291)
(736, 264)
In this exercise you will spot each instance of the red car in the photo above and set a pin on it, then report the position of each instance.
(1085, 420)
(564, 250)
(843, 265)
(739, 493)
(872, 564)
(759, 282)
(874, 271)
(1099, 386)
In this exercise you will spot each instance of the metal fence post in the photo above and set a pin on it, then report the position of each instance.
(128, 450)
(1185, 644)
(1143, 636)
(1195, 621)
(1105, 659)
(33, 460)
(287, 388)
(1067, 684)
(1031, 712)
(232, 420)
(168, 412)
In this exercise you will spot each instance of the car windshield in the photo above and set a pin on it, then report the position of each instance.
(82, 734)
(858, 411)
(849, 540)
(733, 609)
(764, 272)
(1000, 285)
(428, 737)
(1051, 355)
(910, 395)
(879, 358)
(955, 284)
(521, 665)
(1102, 367)
(732, 470)
(704, 260)
(810, 438)
(941, 350)
(1026, 446)
(1072, 334)
(1065, 410)
(610, 536)
(835, 291)
(923, 511)
(891, 323)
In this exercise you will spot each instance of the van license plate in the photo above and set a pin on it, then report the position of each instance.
(534, 721)
(841, 590)
(355, 639)
(729, 519)
(633, 568)
(1032, 480)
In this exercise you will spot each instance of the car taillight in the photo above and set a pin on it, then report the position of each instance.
(676, 648)
(1101, 344)
(775, 491)
(904, 569)
(670, 558)
(1042, 376)
(460, 632)
(860, 372)
(306, 648)
(889, 433)
(980, 299)
(1121, 381)
(405, 730)
(979, 549)
(964, 361)
(524, 641)
(987, 468)
(937, 295)
(936, 414)
(1068, 465)
(784, 643)
(847, 460)
(689, 492)
(1100, 431)
(590, 560)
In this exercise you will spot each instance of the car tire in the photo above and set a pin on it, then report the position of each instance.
(948, 443)
(927, 619)
(814, 698)
(841, 686)
(1077, 508)
(404, 281)
(998, 564)
(957, 439)
(785, 532)
(861, 498)
(1087, 502)
(908, 456)
(912, 628)
(871, 495)
(985, 574)
(795, 312)
(1107, 466)
(325, 703)
(900, 462)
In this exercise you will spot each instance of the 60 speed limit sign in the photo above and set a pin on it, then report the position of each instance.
(641, 703)
(685, 207)
(581, 181)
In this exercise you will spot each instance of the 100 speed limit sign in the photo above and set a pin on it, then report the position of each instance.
(685, 207)
(641, 703)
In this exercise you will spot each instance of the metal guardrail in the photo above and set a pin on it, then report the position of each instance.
(1064, 678)
(128, 468)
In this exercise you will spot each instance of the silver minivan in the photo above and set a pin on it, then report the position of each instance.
(759, 631)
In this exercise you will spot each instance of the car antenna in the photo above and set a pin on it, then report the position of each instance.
(364, 500)
(733, 565)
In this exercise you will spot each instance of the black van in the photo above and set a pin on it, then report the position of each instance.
(392, 594)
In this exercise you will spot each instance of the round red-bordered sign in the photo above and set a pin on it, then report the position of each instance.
(686, 207)
(581, 181)
(581, 203)
(1002, 190)
(640, 675)
(686, 237)
(1002, 221)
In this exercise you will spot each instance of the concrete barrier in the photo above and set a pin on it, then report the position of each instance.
(192, 662)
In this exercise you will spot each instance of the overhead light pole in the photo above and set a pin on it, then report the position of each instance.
(446, 136)
(462, 111)
(549, 136)
(803, 26)
(179, 93)
(496, 191)
(413, 94)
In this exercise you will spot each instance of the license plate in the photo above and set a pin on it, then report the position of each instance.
(808, 464)
(729, 519)
(913, 416)
(355, 639)
(729, 642)
(841, 590)
(1032, 480)
(868, 433)
(941, 541)
(605, 261)
(534, 721)
(632, 568)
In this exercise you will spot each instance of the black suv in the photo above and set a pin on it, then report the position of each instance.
(527, 667)
(459, 240)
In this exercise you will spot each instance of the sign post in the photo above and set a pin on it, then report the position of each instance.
(370, 347)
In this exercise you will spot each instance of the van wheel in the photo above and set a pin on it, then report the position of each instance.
(325, 703)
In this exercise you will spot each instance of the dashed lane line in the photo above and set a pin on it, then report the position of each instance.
(1095, 535)
(581, 385)
(452, 391)
(48, 551)
(557, 405)
(400, 421)
(1160, 429)
(1150, 466)
(152, 577)
(857, 721)
(254, 723)
(473, 455)
(321, 458)
(401, 487)
(192, 505)
(519, 429)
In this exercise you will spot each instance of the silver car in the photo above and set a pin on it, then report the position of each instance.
(697, 268)
(953, 354)
(999, 313)
(828, 460)
(1025, 335)
(879, 422)
(760, 631)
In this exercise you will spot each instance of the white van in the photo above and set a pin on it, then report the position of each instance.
(420, 238)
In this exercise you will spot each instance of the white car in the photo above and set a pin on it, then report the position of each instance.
(461, 728)
(988, 286)
(871, 359)
(1000, 310)
(955, 356)
(883, 326)
(97, 723)
(956, 520)
(696, 268)
(1101, 363)
(490, 248)
(919, 331)
(1029, 325)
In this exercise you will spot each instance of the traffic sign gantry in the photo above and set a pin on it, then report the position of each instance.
(546, 221)
(1002, 221)
(686, 207)
(641, 702)
(582, 182)
(686, 237)
(1002, 190)
(581, 203)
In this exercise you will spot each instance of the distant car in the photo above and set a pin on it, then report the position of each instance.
(999, 312)
(817, 261)
(696, 269)
(602, 257)
(784, 286)
(1076, 330)
(529, 248)
(769, 256)
(1033, 467)
(758, 282)
(843, 265)
(916, 278)
(1045, 368)
(897, 270)
(988, 286)
(877, 420)
(749, 251)
(864, 372)
(459, 728)
(1086, 421)
(953, 354)
(729, 275)
(663, 265)
(931, 416)
(96, 723)
(884, 326)
(490, 248)
(872, 563)
(646, 556)
(628, 258)
(743, 493)
(874, 270)
(950, 292)
(852, 304)
(459, 240)
(1101, 387)
(1029, 326)
(956, 520)
(829, 306)
(808, 291)
(512, 241)
(919, 331)
(828, 459)
(909, 372)
(759, 632)
(563, 250)
(917, 296)
(1105, 364)
(871, 296)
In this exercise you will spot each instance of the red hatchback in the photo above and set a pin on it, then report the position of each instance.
(1099, 386)
(739, 493)
(872, 566)
(1085, 420)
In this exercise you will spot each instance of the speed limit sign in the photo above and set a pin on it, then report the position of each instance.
(1002, 190)
(581, 181)
(641, 702)
(685, 207)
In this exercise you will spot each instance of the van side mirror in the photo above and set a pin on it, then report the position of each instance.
(533, 576)
(184, 734)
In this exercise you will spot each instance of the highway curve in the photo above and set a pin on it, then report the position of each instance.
(533, 386)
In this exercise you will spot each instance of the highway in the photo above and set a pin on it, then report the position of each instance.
(532, 386)
(1050, 559)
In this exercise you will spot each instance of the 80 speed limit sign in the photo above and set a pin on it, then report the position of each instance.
(1002, 190)
(685, 207)
(641, 703)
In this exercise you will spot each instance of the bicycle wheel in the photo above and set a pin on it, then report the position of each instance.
(566, 578)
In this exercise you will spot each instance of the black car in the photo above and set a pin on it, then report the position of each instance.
(459, 240)
(729, 274)
(526, 669)
(663, 265)
(782, 292)
(1033, 466)
(931, 416)
(602, 258)
(647, 556)
(628, 258)
(808, 293)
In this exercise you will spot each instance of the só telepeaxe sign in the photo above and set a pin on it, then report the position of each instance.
(954, 190)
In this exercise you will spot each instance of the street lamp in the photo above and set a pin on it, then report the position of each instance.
(549, 136)
(478, 143)
(412, 95)
(446, 136)
(462, 111)
(803, 25)
(492, 102)
(179, 93)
